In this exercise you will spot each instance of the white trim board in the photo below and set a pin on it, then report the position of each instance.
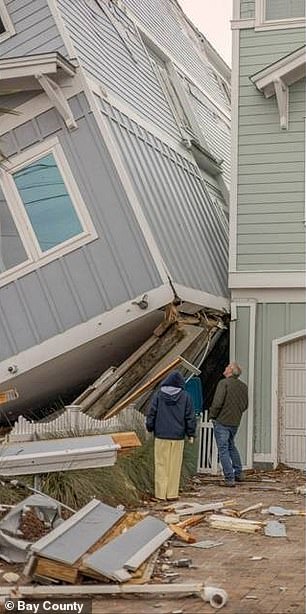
(251, 370)
(199, 297)
(276, 343)
(84, 333)
(267, 279)
(270, 295)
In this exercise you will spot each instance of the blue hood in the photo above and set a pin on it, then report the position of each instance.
(174, 379)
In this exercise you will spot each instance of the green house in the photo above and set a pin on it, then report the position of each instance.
(267, 229)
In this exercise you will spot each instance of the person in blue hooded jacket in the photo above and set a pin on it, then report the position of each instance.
(170, 418)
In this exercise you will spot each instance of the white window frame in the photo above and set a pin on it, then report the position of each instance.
(7, 22)
(261, 23)
(37, 257)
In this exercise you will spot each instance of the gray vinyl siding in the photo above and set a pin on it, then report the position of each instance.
(162, 20)
(104, 55)
(36, 31)
(247, 9)
(177, 206)
(94, 278)
(271, 168)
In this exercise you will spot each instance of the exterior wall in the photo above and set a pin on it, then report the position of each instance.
(273, 320)
(271, 168)
(177, 206)
(90, 280)
(36, 31)
(100, 48)
(247, 9)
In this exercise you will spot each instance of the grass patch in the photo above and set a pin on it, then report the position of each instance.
(127, 483)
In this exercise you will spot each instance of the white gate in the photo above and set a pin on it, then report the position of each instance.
(208, 454)
(292, 403)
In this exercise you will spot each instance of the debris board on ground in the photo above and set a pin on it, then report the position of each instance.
(128, 551)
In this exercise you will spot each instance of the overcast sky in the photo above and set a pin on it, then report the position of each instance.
(212, 17)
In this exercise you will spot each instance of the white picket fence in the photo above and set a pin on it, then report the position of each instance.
(208, 453)
(72, 419)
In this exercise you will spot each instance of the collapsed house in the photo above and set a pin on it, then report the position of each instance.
(113, 186)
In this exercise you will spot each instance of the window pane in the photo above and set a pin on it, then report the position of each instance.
(12, 251)
(2, 28)
(284, 9)
(47, 203)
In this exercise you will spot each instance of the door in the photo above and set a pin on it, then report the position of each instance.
(292, 403)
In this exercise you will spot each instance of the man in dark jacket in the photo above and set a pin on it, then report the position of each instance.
(229, 403)
(171, 417)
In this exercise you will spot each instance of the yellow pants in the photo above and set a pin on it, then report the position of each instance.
(168, 457)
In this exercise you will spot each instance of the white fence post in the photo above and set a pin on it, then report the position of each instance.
(208, 453)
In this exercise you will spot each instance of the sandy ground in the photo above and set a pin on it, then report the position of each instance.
(276, 583)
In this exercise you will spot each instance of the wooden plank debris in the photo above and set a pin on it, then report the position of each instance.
(235, 524)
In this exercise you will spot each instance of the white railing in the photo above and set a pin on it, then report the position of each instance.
(208, 453)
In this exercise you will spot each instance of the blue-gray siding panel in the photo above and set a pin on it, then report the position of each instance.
(105, 56)
(113, 269)
(177, 206)
(163, 20)
(36, 31)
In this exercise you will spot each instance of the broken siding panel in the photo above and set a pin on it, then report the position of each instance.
(176, 204)
(165, 23)
(101, 49)
(273, 321)
(217, 134)
(36, 31)
(97, 276)
(271, 161)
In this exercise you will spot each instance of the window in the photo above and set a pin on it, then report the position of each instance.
(6, 26)
(42, 214)
(284, 9)
(272, 14)
(47, 203)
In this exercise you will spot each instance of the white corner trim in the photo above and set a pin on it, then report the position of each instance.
(267, 279)
(234, 155)
(37, 257)
(276, 343)
(126, 182)
(7, 22)
(199, 297)
(56, 14)
(236, 9)
(83, 333)
(251, 304)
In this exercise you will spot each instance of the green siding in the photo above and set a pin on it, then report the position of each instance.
(273, 321)
(247, 9)
(271, 161)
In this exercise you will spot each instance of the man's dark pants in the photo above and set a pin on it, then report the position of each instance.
(228, 453)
